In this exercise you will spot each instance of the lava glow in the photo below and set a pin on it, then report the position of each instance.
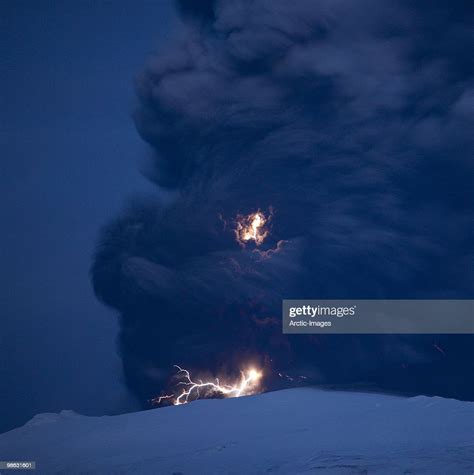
(249, 383)
(251, 228)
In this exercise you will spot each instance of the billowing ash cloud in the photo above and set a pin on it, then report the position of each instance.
(353, 122)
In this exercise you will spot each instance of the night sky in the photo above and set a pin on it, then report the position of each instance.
(70, 155)
(349, 123)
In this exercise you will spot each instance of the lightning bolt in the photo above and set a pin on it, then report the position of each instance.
(192, 390)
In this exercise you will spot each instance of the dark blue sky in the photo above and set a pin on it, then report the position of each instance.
(70, 155)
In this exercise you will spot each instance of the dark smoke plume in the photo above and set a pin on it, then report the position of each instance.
(353, 122)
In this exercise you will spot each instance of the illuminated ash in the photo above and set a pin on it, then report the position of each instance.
(248, 384)
(251, 228)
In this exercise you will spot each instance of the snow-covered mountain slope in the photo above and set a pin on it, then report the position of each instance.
(285, 432)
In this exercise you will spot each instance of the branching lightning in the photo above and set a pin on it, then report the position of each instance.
(248, 384)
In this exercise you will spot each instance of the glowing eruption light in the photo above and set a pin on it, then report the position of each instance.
(248, 384)
(251, 228)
